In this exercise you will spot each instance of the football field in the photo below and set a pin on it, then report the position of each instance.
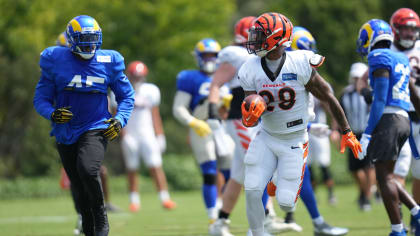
(55, 216)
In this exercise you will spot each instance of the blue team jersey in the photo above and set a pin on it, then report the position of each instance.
(399, 74)
(67, 80)
(196, 83)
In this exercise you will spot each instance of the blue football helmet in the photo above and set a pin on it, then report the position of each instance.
(206, 52)
(372, 32)
(302, 39)
(84, 36)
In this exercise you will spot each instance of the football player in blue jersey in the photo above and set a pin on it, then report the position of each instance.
(388, 125)
(190, 108)
(72, 94)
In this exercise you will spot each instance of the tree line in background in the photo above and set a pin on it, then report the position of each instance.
(162, 33)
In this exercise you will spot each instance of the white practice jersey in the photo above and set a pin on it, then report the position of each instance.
(286, 96)
(236, 56)
(414, 57)
(141, 123)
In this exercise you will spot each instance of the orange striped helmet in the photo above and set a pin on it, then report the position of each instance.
(269, 31)
(242, 27)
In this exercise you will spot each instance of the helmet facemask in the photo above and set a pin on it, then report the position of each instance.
(86, 44)
(207, 62)
(257, 41)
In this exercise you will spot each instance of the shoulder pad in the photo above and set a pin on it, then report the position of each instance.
(316, 60)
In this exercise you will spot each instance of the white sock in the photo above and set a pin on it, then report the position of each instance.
(319, 220)
(219, 203)
(270, 207)
(135, 197)
(397, 227)
(415, 210)
(212, 213)
(164, 195)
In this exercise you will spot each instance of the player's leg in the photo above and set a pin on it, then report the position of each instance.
(91, 153)
(260, 163)
(68, 155)
(205, 153)
(131, 153)
(402, 165)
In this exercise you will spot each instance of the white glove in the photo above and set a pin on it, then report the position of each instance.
(319, 130)
(364, 141)
(162, 142)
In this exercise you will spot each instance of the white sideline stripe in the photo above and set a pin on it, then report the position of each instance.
(48, 219)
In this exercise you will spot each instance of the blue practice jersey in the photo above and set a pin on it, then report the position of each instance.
(399, 74)
(82, 85)
(196, 83)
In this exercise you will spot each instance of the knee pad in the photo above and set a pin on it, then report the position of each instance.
(326, 174)
(209, 179)
(286, 199)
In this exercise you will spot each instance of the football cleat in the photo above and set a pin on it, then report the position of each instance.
(220, 228)
(134, 207)
(273, 226)
(402, 233)
(264, 234)
(78, 230)
(112, 208)
(325, 229)
(169, 204)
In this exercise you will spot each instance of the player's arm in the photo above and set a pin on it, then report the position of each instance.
(414, 96)
(322, 90)
(158, 127)
(223, 74)
(44, 96)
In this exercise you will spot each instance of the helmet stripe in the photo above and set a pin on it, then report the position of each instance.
(274, 20)
(284, 26)
(268, 23)
(75, 25)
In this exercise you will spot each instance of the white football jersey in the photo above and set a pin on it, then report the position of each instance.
(286, 96)
(413, 55)
(147, 96)
(236, 56)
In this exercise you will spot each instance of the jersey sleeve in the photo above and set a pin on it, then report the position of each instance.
(154, 95)
(378, 60)
(305, 67)
(45, 89)
(184, 82)
(124, 92)
(245, 77)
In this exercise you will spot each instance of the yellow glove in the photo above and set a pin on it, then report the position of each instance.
(226, 100)
(200, 127)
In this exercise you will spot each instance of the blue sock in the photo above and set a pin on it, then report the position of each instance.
(265, 198)
(209, 189)
(226, 174)
(307, 195)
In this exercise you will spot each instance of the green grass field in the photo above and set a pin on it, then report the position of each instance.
(55, 216)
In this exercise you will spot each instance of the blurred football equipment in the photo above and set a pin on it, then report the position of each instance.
(137, 69)
(405, 17)
(206, 52)
(271, 189)
(242, 27)
(162, 142)
(269, 31)
(62, 115)
(364, 141)
(84, 36)
(113, 129)
(200, 127)
(319, 129)
(349, 140)
(372, 32)
(226, 100)
(325, 229)
(220, 228)
(302, 39)
(252, 108)
(62, 40)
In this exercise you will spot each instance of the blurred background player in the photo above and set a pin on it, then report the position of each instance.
(281, 145)
(103, 173)
(230, 59)
(357, 113)
(388, 125)
(302, 39)
(143, 136)
(405, 25)
(190, 108)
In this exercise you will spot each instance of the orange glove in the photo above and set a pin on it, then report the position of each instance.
(271, 189)
(350, 140)
(251, 116)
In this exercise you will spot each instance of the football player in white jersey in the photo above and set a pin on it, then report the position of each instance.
(405, 25)
(230, 59)
(190, 109)
(144, 136)
(284, 81)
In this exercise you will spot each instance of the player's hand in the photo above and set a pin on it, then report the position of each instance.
(62, 115)
(162, 142)
(349, 140)
(113, 129)
(226, 100)
(364, 141)
(200, 127)
(251, 116)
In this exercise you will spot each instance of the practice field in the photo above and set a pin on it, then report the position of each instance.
(55, 216)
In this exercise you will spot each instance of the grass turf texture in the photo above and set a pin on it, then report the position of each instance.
(56, 216)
